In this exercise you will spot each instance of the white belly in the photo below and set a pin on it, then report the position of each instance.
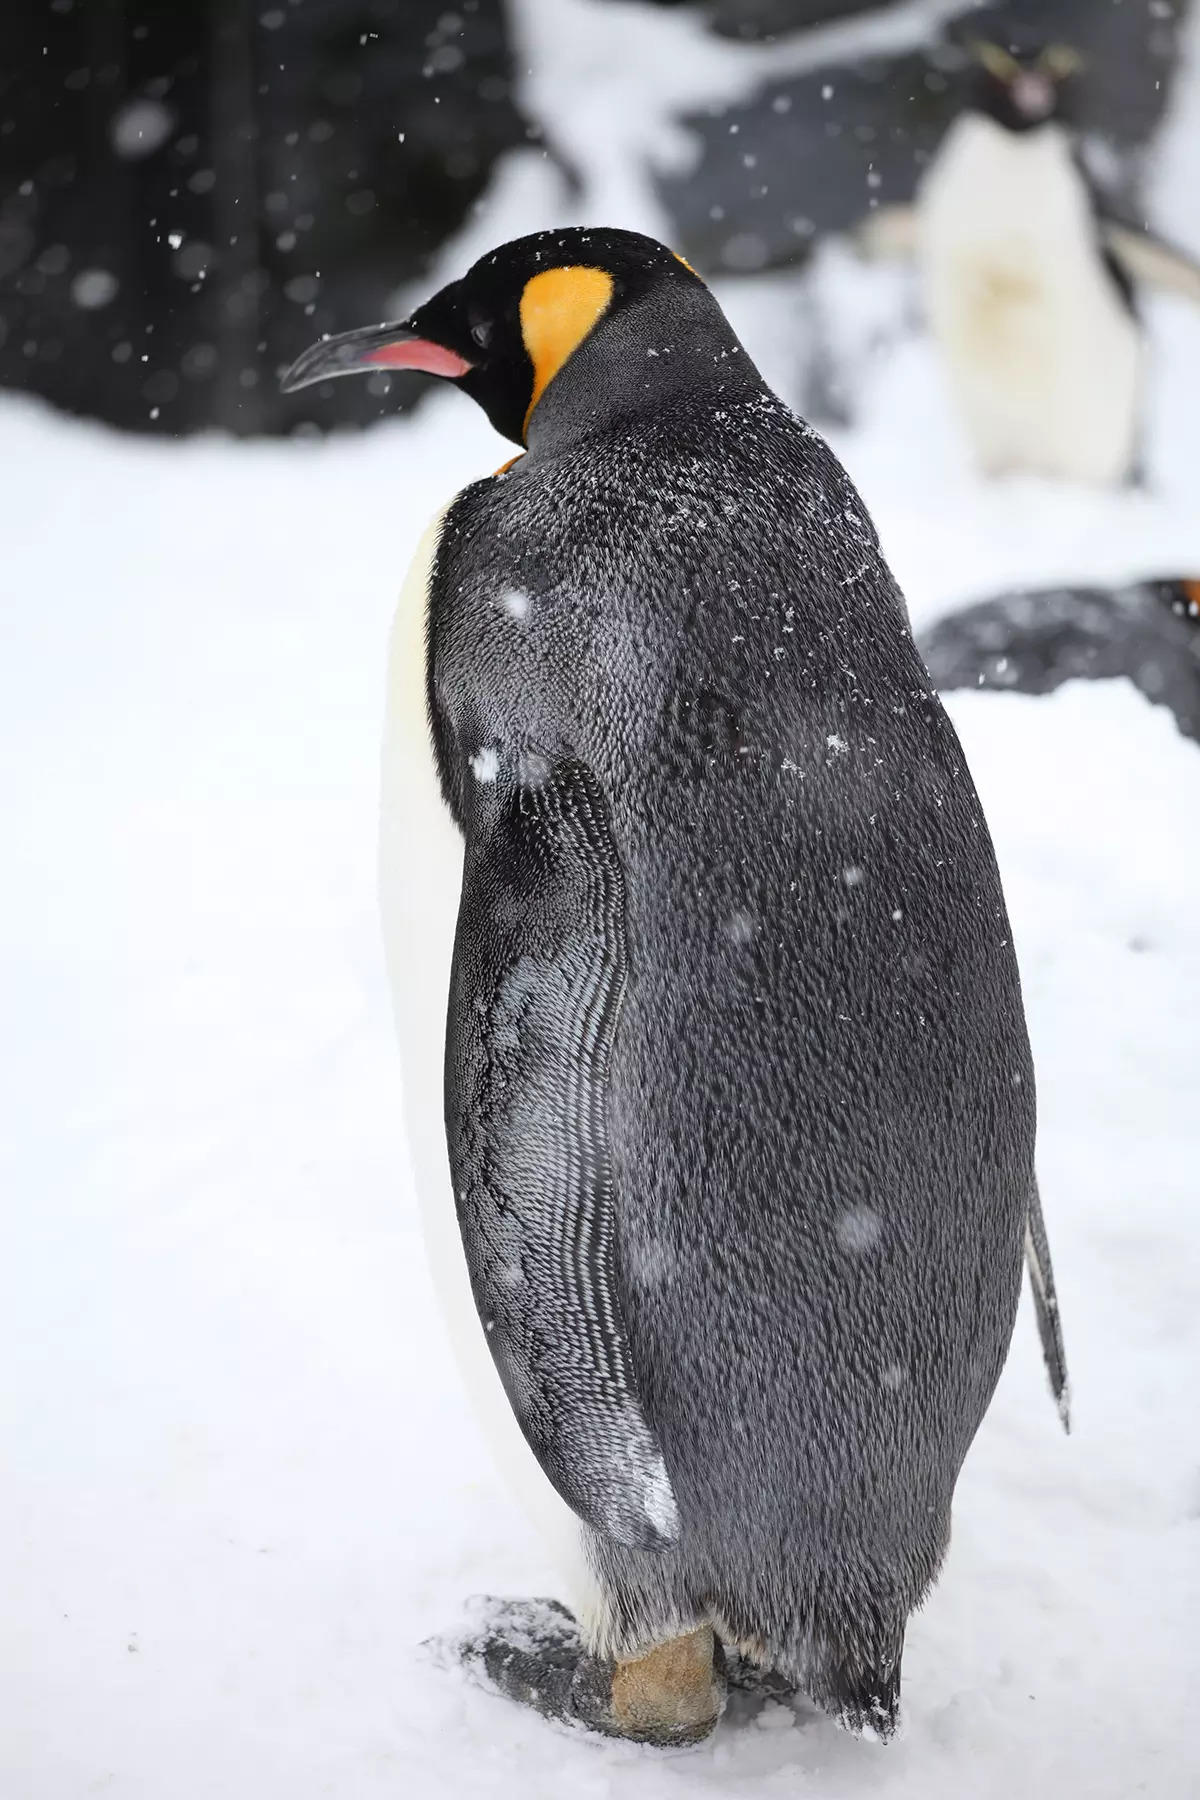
(1042, 354)
(420, 870)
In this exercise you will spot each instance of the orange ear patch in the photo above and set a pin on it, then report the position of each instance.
(558, 309)
(1191, 591)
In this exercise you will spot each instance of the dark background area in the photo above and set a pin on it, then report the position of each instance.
(191, 193)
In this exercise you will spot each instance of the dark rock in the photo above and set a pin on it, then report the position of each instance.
(195, 193)
(1032, 642)
(754, 20)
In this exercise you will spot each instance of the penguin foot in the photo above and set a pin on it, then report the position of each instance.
(673, 1695)
(865, 1705)
(755, 1690)
(527, 1650)
(747, 1677)
(530, 1651)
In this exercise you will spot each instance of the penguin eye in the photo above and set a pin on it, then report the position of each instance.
(481, 333)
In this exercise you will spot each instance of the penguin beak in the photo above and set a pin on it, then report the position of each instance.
(374, 347)
(1033, 94)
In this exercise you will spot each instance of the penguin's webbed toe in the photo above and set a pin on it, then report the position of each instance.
(747, 1677)
(526, 1650)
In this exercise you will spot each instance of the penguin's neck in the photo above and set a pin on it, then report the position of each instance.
(672, 351)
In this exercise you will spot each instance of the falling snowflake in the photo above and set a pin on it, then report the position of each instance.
(140, 127)
(92, 288)
(858, 1230)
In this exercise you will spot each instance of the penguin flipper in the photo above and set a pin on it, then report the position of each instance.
(539, 972)
(887, 234)
(1148, 260)
(1045, 1303)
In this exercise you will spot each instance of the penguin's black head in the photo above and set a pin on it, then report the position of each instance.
(1021, 88)
(505, 330)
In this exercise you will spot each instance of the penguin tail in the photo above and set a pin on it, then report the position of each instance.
(849, 1664)
(1045, 1303)
(864, 1702)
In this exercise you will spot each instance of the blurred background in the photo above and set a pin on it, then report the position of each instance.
(192, 192)
(242, 1484)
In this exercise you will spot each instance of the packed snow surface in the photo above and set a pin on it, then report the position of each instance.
(242, 1485)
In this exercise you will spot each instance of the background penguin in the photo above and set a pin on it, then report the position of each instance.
(1028, 288)
(1033, 641)
(737, 1090)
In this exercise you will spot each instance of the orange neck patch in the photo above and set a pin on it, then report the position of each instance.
(558, 309)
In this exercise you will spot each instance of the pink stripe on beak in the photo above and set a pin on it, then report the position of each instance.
(417, 353)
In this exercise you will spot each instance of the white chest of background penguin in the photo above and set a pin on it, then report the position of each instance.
(737, 1092)
(1036, 327)
(1029, 288)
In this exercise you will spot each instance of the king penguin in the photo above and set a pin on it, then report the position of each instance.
(729, 1166)
(1030, 290)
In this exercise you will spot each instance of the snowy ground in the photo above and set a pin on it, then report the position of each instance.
(242, 1484)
